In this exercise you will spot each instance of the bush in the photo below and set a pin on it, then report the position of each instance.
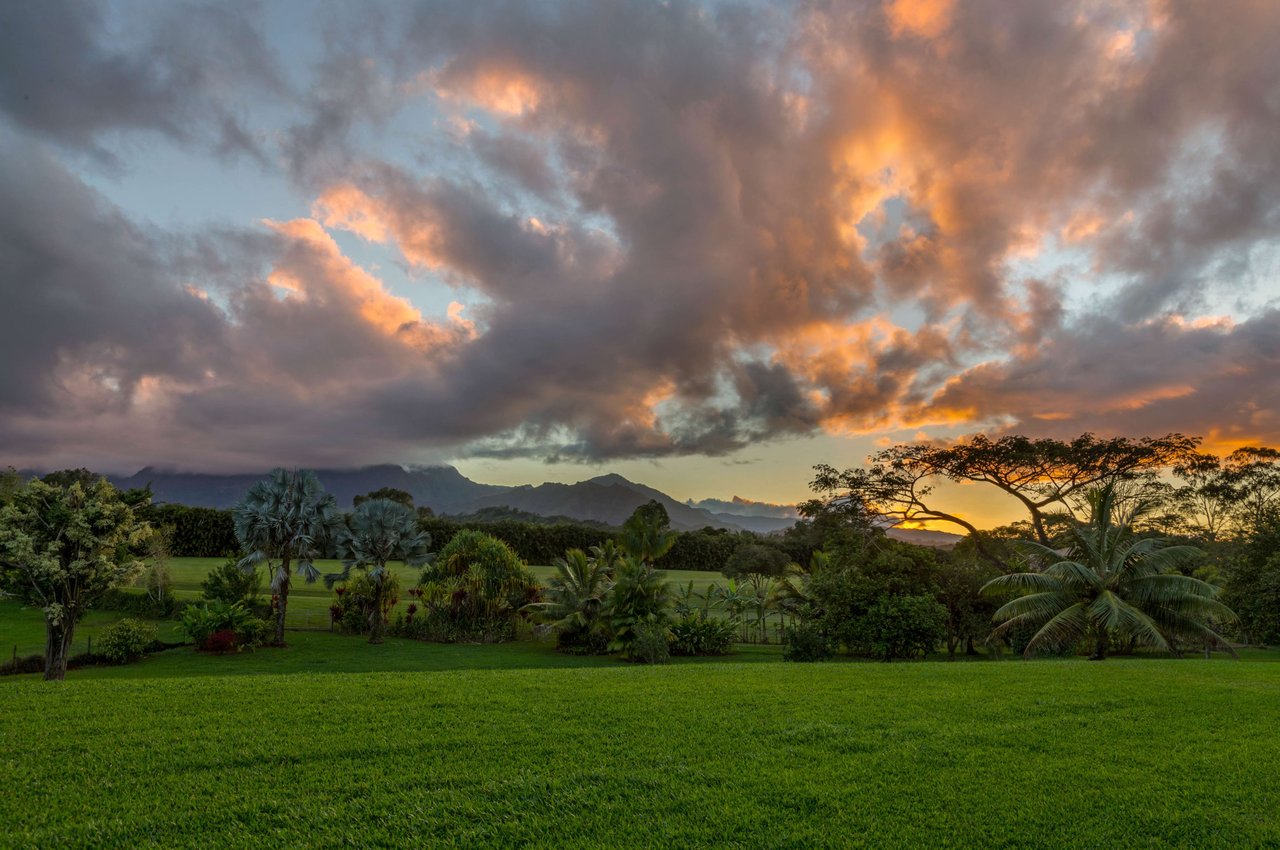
(140, 604)
(649, 644)
(474, 590)
(698, 634)
(23, 664)
(126, 641)
(230, 584)
(806, 642)
(639, 598)
(901, 627)
(219, 627)
(352, 609)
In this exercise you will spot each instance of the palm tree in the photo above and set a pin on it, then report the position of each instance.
(577, 595)
(284, 518)
(379, 531)
(646, 535)
(1110, 585)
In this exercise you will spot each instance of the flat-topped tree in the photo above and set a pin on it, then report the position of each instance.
(287, 520)
(378, 532)
(1045, 474)
(62, 548)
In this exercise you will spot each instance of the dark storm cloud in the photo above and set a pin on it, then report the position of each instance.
(680, 229)
(66, 77)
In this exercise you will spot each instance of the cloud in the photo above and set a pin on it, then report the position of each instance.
(67, 78)
(668, 229)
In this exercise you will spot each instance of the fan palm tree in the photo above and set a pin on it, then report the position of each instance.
(577, 595)
(1110, 585)
(286, 519)
(380, 531)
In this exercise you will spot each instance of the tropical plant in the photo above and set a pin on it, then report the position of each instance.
(474, 589)
(362, 599)
(62, 549)
(806, 642)
(229, 583)
(650, 644)
(697, 633)
(639, 597)
(286, 520)
(897, 626)
(1112, 586)
(575, 599)
(647, 534)
(220, 627)
(378, 532)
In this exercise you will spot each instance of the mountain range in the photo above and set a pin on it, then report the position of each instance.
(606, 499)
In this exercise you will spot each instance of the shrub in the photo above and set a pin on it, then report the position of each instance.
(806, 642)
(698, 634)
(901, 627)
(141, 604)
(474, 590)
(353, 602)
(649, 644)
(202, 622)
(126, 641)
(639, 597)
(230, 584)
(23, 664)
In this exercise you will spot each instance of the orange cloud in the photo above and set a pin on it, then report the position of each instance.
(924, 18)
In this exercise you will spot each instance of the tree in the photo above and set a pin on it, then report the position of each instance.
(64, 478)
(1252, 579)
(756, 563)
(394, 494)
(286, 520)
(476, 587)
(647, 534)
(1113, 585)
(637, 601)
(960, 579)
(1253, 476)
(1042, 474)
(380, 531)
(576, 599)
(62, 548)
(10, 484)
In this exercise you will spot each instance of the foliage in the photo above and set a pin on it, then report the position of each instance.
(286, 519)
(705, 549)
(380, 531)
(61, 549)
(356, 602)
(126, 641)
(10, 484)
(806, 642)
(18, 665)
(196, 532)
(395, 494)
(222, 627)
(1043, 474)
(474, 590)
(1113, 586)
(574, 600)
(897, 626)
(1252, 589)
(958, 580)
(639, 597)
(649, 644)
(696, 633)
(754, 561)
(230, 583)
(647, 534)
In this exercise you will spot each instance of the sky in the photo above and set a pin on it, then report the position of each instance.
(705, 245)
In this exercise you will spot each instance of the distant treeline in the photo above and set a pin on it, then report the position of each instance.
(210, 532)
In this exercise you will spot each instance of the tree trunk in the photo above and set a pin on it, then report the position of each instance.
(377, 623)
(1100, 650)
(57, 646)
(969, 648)
(282, 602)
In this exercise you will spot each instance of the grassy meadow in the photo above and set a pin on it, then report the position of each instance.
(1126, 753)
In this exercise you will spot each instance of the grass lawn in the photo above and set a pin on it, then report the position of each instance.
(1126, 753)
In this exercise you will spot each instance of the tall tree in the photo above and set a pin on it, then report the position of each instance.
(287, 520)
(647, 534)
(1113, 585)
(1044, 475)
(380, 531)
(61, 548)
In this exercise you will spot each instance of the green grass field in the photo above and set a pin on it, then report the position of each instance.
(1126, 753)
